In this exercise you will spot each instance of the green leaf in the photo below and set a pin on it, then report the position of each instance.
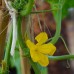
(68, 4)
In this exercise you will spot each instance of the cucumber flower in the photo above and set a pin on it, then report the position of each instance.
(39, 52)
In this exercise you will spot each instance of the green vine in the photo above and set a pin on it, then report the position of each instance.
(19, 35)
(62, 57)
(5, 62)
(58, 23)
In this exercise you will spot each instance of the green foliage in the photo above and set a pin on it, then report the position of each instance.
(53, 1)
(66, 4)
(28, 8)
(18, 5)
(24, 7)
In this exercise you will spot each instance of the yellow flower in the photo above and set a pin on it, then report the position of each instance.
(39, 52)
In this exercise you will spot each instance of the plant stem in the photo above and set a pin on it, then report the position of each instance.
(7, 54)
(19, 35)
(8, 47)
(42, 11)
(28, 9)
(62, 57)
(23, 45)
(34, 66)
(58, 22)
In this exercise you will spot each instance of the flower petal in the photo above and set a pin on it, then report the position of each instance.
(47, 49)
(39, 57)
(30, 44)
(43, 60)
(41, 38)
(34, 55)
